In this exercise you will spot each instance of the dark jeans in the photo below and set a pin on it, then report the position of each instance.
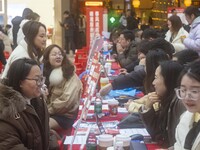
(81, 40)
(63, 121)
(69, 44)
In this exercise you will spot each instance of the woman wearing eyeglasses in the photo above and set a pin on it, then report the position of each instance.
(64, 87)
(23, 113)
(31, 46)
(188, 129)
(162, 110)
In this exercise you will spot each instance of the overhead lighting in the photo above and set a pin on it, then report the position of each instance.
(187, 2)
(136, 3)
(93, 3)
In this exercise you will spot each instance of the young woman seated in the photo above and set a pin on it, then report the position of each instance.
(24, 122)
(183, 57)
(188, 129)
(162, 121)
(64, 87)
(152, 60)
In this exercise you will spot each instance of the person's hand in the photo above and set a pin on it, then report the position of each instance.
(151, 99)
(105, 90)
(113, 56)
(123, 71)
(120, 49)
(110, 46)
(44, 90)
(126, 105)
(66, 26)
(182, 38)
(142, 61)
(61, 24)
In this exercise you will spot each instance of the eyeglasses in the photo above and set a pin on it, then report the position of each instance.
(39, 81)
(193, 94)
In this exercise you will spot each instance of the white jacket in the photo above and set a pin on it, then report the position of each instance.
(177, 42)
(20, 34)
(185, 124)
(19, 52)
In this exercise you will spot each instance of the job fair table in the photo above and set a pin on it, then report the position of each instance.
(95, 128)
(109, 124)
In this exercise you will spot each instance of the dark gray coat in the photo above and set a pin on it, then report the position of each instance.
(128, 56)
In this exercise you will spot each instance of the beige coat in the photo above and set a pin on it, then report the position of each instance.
(64, 96)
(7, 42)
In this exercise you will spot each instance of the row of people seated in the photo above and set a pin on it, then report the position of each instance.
(126, 41)
(160, 120)
(55, 107)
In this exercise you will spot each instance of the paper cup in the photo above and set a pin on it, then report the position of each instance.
(105, 141)
(113, 107)
(104, 82)
(124, 139)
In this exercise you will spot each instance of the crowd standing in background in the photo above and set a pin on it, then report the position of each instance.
(123, 21)
(6, 40)
(132, 22)
(68, 24)
(31, 16)
(16, 24)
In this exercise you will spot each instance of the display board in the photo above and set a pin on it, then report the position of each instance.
(94, 19)
(90, 87)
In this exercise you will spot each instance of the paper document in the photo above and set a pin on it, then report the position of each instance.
(105, 101)
(104, 107)
(132, 131)
(122, 110)
(80, 139)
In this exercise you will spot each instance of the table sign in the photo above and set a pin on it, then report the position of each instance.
(94, 50)
(91, 84)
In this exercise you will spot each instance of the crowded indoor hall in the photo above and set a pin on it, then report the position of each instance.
(100, 75)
